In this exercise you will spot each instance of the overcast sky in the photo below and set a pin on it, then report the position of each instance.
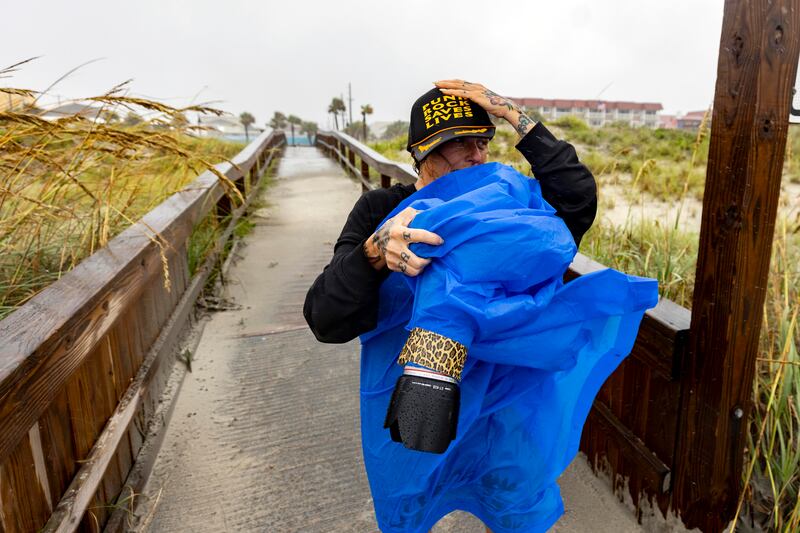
(294, 56)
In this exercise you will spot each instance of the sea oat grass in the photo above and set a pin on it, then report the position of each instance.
(68, 186)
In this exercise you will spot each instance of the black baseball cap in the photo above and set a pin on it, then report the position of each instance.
(437, 118)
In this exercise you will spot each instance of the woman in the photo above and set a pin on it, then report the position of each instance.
(450, 130)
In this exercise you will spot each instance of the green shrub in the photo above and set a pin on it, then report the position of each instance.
(570, 123)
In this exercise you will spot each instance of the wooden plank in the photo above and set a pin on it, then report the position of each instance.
(609, 444)
(136, 434)
(20, 474)
(129, 324)
(635, 393)
(119, 350)
(113, 477)
(758, 57)
(660, 431)
(91, 403)
(364, 171)
(147, 318)
(646, 403)
(10, 514)
(161, 301)
(55, 429)
(82, 489)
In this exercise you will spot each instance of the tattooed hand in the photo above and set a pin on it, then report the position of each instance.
(493, 103)
(389, 245)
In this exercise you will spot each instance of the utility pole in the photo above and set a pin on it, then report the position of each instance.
(350, 98)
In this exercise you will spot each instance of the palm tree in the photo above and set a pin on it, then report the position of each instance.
(278, 121)
(247, 120)
(179, 121)
(110, 116)
(132, 119)
(294, 120)
(332, 111)
(337, 106)
(310, 129)
(365, 110)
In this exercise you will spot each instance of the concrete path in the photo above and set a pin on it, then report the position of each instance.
(265, 432)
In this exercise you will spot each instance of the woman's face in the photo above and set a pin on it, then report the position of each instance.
(464, 152)
(453, 155)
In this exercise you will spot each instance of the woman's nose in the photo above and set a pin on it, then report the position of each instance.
(474, 151)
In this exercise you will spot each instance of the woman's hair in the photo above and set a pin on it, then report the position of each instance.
(418, 166)
(434, 168)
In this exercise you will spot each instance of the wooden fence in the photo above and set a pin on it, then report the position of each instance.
(83, 363)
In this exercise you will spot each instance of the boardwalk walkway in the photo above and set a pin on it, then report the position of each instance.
(265, 432)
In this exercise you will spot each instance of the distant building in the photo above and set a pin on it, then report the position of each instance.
(227, 127)
(72, 109)
(669, 122)
(691, 120)
(595, 112)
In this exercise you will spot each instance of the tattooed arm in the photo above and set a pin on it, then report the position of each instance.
(493, 103)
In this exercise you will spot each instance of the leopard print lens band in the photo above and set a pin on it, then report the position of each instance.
(434, 351)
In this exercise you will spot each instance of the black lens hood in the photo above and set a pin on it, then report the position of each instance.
(423, 413)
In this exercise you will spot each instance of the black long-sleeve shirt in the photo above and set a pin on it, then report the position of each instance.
(343, 301)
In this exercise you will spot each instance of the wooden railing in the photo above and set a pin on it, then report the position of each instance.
(634, 425)
(345, 149)
(83, 363)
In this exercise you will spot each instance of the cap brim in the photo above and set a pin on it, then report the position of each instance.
(422, 150)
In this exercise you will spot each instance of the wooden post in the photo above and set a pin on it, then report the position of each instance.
(386, 181)
(351, 157)
(756, 70)
(364, 175)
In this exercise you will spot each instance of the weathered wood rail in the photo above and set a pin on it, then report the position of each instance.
(83, 363)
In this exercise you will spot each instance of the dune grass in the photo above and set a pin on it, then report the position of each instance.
(68, 186)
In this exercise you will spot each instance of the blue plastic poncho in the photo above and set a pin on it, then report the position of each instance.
(538, 352)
